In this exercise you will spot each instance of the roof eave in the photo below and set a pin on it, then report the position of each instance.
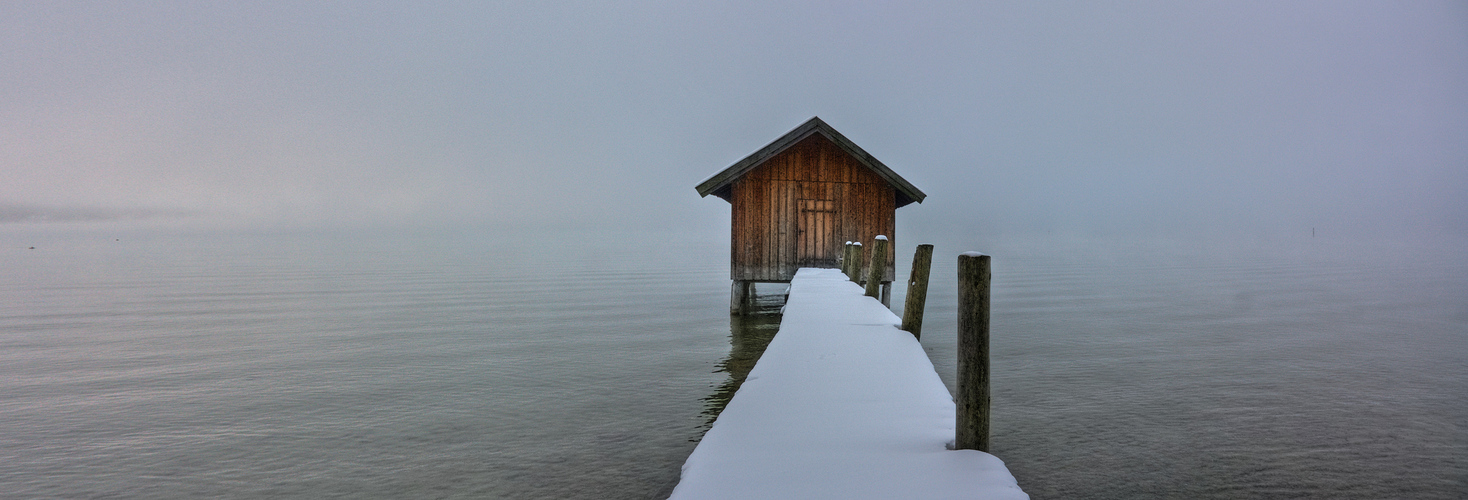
(719, 183)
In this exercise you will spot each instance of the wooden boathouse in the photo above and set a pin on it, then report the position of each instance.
(796, 201)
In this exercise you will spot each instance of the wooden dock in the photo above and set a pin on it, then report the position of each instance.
(842, 404)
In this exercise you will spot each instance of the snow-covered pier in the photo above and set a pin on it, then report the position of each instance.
(842, 404)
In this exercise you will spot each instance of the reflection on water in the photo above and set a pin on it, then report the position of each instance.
(1307, 371)
(352, 366)
(389, 366)
(749, 334)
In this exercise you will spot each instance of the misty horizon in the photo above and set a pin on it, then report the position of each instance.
(1149, 119)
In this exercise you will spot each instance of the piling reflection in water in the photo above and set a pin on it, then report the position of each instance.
(749, 334)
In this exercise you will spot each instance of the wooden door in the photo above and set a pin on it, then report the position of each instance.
(816, 245)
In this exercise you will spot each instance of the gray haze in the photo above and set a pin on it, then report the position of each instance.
(1146, 118)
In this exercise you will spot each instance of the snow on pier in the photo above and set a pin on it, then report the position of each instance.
(842, 404)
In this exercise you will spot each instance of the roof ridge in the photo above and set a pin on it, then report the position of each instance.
(718, 184)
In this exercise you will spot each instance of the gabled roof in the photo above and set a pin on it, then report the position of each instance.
(720, 184)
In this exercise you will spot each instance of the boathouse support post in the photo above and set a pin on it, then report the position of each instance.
(917, 291)
(741, 296)
(854, 272)
(972, 421)
(878, 266)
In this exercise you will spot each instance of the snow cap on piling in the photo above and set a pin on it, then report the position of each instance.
(972, 254)
(882, 237)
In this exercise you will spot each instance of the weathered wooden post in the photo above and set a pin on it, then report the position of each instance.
(917, 291)
(854, 272)
(972, 422)
(846, 258)
(878, 267)
(840, 261)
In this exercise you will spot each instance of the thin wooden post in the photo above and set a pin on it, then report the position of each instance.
(854, 272)
(840, 261)
(846, 258)
(972, 421)
(878, 267)
(917, 291)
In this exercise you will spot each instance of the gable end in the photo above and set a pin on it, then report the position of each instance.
(720, 184)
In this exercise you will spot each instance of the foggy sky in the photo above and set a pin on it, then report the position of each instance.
(1135, 117)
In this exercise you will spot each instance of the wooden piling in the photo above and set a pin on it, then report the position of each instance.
(841, 260)
(917, 291)
(846, 258)
(972, 400)
(741, 297)
(854, 272)
(878, 266)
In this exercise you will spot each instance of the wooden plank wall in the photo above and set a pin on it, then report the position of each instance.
(766, 209)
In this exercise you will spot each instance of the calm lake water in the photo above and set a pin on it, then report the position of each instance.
(149, 364)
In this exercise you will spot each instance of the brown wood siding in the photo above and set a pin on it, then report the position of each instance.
(812, 189)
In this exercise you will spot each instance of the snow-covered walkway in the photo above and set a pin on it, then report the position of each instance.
(841, 405)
